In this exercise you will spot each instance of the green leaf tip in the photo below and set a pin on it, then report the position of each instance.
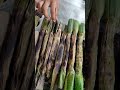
(79, 81)
(45, 23)
(62, 78)
(36, 20)
(69, 82)
(66, 29)
(70, 25)
(75, 26)
(81, 28)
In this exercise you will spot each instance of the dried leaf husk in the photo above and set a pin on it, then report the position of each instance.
(58, 60)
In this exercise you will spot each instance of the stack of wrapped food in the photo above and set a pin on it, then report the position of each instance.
(59, 56)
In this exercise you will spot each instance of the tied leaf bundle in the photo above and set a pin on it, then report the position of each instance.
(45, 59)
(79, 80)
(44, 44)
(54, 49)
(69, 82)
(58, 60)
(40, 40)
(68, 30)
